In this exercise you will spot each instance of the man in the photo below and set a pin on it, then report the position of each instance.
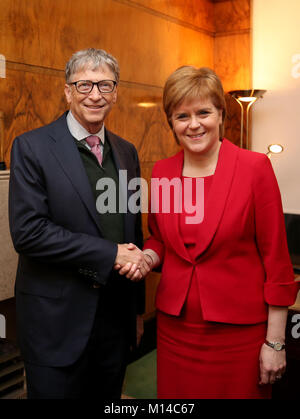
(76, 316)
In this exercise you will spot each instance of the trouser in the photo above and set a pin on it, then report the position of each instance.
(98, 373)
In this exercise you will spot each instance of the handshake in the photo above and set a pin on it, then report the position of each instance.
(133, 263)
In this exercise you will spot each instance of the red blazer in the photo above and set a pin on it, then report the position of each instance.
(243, 263)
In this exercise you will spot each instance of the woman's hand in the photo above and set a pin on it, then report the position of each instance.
(272, 365)
(136, 270)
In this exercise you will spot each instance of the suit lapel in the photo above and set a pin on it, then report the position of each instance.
(218, 194)
(119, 158)
(66, 152)
(171, 220)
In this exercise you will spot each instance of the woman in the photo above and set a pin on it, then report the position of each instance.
(226, 281)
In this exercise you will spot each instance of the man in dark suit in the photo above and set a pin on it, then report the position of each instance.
(76, 316)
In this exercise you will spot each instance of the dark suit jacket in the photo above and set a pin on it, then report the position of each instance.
(53, 222)
(242, 260)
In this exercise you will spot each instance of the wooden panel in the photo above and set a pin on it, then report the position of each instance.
(45, 33)
(233, 121)
(233, 61)
(146, 127)
(233, 56)
(198, 13)
(28, 100)
(152, 282)
(232, 15)
(233, 43)
(31, 100)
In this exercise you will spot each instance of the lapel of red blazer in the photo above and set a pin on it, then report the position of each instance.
(218, 195)
(173, 169)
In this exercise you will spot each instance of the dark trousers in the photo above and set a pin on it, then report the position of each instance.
(99, 373)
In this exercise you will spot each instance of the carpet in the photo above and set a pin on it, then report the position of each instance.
(140, 378)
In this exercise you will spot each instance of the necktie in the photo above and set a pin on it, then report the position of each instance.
(94, 142)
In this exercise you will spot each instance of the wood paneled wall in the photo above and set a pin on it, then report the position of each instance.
(233, 55)
(150, 38)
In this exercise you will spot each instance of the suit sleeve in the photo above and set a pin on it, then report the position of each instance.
(280, 288)
(35, 235)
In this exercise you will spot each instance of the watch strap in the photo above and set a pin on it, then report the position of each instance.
(277, 346)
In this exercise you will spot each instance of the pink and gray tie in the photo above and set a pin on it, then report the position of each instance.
(94, 142)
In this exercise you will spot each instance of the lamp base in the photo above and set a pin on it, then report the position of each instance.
(2, 165)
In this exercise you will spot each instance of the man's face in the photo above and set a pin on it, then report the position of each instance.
(91, 109)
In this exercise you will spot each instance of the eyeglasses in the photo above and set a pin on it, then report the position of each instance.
(86, 86)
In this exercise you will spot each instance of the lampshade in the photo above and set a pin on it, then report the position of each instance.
(274, 149)
(250, 95)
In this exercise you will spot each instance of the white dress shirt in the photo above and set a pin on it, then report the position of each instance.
(80, 133)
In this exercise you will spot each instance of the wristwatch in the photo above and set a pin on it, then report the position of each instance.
(277, 346)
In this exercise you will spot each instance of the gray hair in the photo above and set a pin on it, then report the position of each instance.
(92, 58)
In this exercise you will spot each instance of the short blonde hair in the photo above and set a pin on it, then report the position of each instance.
(189, 82)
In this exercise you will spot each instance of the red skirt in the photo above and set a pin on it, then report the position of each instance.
(197, 359)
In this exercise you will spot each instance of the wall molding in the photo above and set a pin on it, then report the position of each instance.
(30, 68)
(164, 16)
(180, 22)
(233, 33)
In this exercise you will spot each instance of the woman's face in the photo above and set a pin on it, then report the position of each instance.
(196, 124)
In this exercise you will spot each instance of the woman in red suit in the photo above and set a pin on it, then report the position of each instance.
(227, 281)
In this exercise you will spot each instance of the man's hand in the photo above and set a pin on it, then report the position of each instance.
(132, 262)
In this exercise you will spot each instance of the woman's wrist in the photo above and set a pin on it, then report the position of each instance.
(152, 258)
(277, 345)
(275, 337)
(149, 259)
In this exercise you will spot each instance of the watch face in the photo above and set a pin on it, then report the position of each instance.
(278, 346)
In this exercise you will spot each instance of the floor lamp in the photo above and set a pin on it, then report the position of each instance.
(247, 97)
